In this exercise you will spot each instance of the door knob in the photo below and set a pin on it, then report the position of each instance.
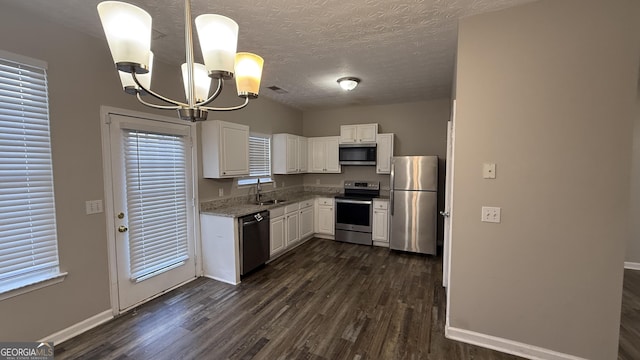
(122, 229)
(444, 213)
(121, 215)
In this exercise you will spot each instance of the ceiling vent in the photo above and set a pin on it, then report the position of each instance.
(155, 34)
(278, 90)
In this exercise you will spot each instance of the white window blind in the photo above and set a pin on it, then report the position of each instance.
(155, 167)
(259, 156)
(259, 159)
(28, 240)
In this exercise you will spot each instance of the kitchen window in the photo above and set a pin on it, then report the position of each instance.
(28, 234)
(259, 160)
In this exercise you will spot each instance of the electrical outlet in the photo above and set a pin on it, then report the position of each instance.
(93, 207)
(283, 184)
(221, 192)
(489, 171)
(490, 214)
(317, 181)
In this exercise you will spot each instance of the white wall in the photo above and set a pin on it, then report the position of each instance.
(547, 91)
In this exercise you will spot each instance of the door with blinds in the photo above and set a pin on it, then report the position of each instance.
(154, 210)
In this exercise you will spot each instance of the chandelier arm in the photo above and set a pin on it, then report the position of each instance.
(162, 107)
(188, 40)
(155, 95)
(246, 101)
(214, 95)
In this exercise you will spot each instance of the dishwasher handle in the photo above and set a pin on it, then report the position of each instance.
(247, 223)
(254, 218)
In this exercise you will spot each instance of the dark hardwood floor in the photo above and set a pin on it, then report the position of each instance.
(323, 300)
(629, 347)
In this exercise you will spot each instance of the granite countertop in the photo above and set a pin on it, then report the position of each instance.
(239, 210)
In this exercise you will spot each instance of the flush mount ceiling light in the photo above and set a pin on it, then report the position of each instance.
(128, 31)
(348, 83)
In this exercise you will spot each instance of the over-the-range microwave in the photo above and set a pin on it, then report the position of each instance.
(357, 154)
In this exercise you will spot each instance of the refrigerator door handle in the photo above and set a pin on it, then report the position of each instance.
(393, 170)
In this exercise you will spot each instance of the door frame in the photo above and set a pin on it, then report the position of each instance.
(109, 209)
(447, 242)
(448, 201)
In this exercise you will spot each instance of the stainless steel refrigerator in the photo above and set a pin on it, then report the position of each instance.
(414, 203)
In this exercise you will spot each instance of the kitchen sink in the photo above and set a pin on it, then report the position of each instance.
(271, 202)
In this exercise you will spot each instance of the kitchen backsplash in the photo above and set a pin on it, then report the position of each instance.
(280, 193)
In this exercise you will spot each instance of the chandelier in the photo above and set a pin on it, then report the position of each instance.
(128, 32)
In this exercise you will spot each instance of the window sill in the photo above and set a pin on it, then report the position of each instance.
(253, 183)
(55, 279)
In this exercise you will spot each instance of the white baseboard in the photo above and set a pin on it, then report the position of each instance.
(631, 265)
(221, 280)
(505, 345)
(77, 329)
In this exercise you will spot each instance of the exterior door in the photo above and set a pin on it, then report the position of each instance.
(153, 201)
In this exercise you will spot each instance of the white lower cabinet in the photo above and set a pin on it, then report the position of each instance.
(277, 235)
(325, 218)
(220, 248)
(291, 224)
(380, 233)
(306, 219)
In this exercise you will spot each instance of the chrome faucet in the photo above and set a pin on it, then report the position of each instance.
(258, 189)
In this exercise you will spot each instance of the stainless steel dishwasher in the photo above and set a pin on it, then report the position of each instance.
(254, 241)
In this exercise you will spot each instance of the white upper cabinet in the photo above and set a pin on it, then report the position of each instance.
(225, 149)
(303, 149)
(323, 155)
(358, 134)
(289, 154)
(384, 153)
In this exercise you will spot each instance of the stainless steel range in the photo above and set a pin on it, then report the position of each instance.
(354, 211)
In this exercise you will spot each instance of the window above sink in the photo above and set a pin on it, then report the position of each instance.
(259, 160)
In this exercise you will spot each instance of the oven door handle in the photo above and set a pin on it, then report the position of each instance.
(349, 201)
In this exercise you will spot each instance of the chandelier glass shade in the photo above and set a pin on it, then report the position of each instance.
(128, 32)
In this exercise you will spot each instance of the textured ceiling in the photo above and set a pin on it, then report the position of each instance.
(403, 50)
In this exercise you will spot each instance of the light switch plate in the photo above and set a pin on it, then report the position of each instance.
(489, 170)
(490, 214)
(93, 207)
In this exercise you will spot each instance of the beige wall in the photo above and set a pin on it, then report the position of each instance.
(81, 79)
(547, 91)
(420, 128)
(633, 246)
(262, 116)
